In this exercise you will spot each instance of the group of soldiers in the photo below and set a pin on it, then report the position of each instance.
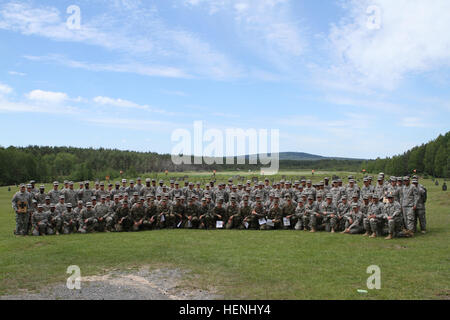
(383, 208)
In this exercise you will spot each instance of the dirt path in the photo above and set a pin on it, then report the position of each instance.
(124, 285)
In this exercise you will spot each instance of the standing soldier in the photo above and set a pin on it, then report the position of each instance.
(86, 194)
(70, 195)
(139, 185)
(102, 211)
(55, 193)
(420, 212)
(410, 198)
(329, 213)
(21, 203)
(41, 195)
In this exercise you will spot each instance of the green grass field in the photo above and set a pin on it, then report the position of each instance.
(244, 264)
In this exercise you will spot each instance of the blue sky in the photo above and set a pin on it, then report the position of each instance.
(335, 78)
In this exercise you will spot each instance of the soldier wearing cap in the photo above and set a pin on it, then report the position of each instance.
(178, 211)
(147, 190)
(86, 193)
(166, 218)
(410, 197)
(190, 218)
(300, 213)
(40, 195)
(288, 212)
(69, 220)
(343, 209)
(329, 214)
(139, 185)
(274, 214)
(420, 210)
(131, 190)
(234, 213)
(54, 194)
(367, 188)
(123, 218)
(88, 221)
(392, 214)
(55, 219)
(70, 195)
(151, 213)
(380, 189)
(102, 212)
(311, 209)
(354, 221)
(373, 218)
(134, 199)
(116, 191)
(123, 187)
(40, 222)
(21, 203)
(61, 205)
(137, 215)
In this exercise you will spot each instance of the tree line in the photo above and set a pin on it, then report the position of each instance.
(430, 159)
(46, 164)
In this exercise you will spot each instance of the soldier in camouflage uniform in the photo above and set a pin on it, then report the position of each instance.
(21, 203)
(354, 221)
(123, 218)
(300, 213)
(137, 215)
(410, 199)
(392, 214)
(166, 218)
(276, 215)
(88, 221)
(329, 214)
(55, 219)
(40, 222)
(69, 220)
(191, 215)
(55, 193)
(85, 194)
(288, 212)
(102, 212)
(373, 219)
(41, 195)
(234, 214)
(420, 210)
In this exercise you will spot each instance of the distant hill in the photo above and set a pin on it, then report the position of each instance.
(302, 156)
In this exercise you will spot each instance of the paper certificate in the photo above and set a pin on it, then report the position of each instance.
(262, 221)
(286, 222)
(270, 223)
(219, 225)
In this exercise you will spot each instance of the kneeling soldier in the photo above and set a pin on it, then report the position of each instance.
(88, 222)
(354, 221)
(40, 221)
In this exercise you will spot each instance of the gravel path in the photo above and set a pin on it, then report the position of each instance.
(120, 285)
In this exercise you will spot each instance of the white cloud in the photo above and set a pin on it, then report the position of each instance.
(137, 33)
(47, 96)
(118, 103)
(414, 122)
(5, 89)
(16, 73)
(413, 38)
(267, 27)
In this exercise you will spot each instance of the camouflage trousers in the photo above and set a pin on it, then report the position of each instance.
(69, 227)
(235, 222)
(192, 224)
(166, 221)
(420, 215)
(322, 223)
(208, 222)
(277, 226)
(88, 227)
(354, 228)
(56, 223)
(373, 225)
(410, 218)
(125, 225)
(22, 220)
(41, 229)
